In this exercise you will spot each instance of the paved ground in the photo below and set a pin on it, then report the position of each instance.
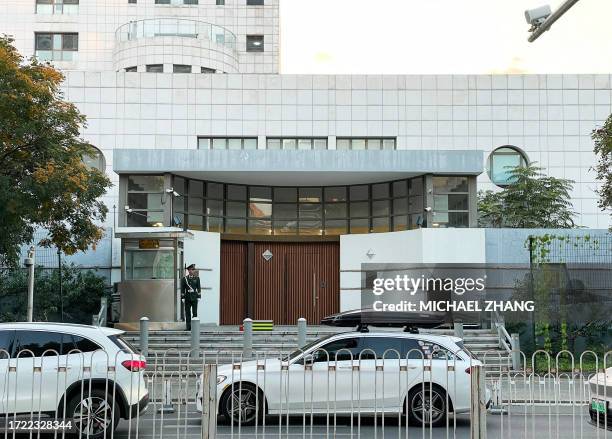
(539, 422)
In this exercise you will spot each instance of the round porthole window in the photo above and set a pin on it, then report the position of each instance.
(501, 163)
(95, 159)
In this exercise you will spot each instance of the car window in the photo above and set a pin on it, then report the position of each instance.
(37, 342)
(338, 350)
(122, 344)
(380, 347)
(435, 351)
(6, 344)
(412, 349)
(77, 343)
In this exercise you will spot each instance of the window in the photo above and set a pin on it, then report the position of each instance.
(450, 202)
(144, 198)
(227, 143)
(155, 68)
(6, 344)
(57, 6)
(95, 160)
(207, 70)
(56, 47)
(345, 349)
(501, 163)
(155, 263)
(131, 69)
(220, 2)
(38, 342)
(365, 143)
(181, 68)
(255, 2)
(77, 343)
(255, 43)
(297, 143)
(133, 2)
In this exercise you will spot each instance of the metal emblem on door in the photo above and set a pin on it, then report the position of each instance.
(267, 255)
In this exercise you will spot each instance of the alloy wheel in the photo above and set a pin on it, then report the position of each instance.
(242, 405)
(428, 407)
(92, 416)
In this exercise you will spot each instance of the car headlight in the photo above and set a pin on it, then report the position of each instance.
(221, 378)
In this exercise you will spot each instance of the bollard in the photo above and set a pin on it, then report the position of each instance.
(516, 352)
(209, 396)
(301, 332)
(478, 410)
(144, 336)
(247, 338)
(458, 327)
(195, 337)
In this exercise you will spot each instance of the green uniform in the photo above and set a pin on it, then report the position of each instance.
(190, 293)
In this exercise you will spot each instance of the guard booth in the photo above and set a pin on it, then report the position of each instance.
(152, 265)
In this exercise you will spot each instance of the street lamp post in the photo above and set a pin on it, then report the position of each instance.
(29, 263)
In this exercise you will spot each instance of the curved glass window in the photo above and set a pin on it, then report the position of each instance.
(95, 160)
(501, 163)
(306, 211)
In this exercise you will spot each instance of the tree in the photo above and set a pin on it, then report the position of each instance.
(531, 200)
(82, 292)
(43, 179)
(603, 150)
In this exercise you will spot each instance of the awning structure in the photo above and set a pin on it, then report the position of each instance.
(152, 232)
(298, 168)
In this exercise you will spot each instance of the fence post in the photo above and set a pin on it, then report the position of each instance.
(301, 332)
(516, 352)
(195, 337)
(247, 338)
(144, 336)
(209, 396)
(478, 411)
(458, 328)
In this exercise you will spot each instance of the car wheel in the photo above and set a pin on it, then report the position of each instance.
(427, 406)
(92, 414)
(241, 404)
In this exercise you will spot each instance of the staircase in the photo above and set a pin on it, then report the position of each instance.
(223, 344)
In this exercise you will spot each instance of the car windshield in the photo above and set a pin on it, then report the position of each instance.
(307, 347)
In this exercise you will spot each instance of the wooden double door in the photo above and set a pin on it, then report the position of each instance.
(279, 281)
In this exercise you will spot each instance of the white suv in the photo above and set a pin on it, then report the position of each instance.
(84, 374)
(422, 376)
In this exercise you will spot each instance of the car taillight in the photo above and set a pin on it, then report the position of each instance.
(134, 365)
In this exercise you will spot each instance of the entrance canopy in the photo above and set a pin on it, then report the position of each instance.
(298, 168)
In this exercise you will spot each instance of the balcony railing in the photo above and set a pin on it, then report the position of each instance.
(175, 27)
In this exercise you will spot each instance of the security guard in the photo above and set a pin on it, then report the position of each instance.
(190, 293)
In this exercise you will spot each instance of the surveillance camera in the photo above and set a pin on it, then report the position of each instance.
(535, 17)
(428, 209)
(27, 262)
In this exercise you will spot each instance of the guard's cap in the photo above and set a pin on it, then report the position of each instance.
(191, 267)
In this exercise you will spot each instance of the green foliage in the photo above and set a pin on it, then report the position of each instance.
(82, 290)
(43, 180)
(532, 200)
(603, 150)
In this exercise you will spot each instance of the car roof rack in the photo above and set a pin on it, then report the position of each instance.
(363, 327)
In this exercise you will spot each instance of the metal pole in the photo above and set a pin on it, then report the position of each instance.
(61, 288)
(30, 264)
(144, 336)
(551, 20)
(247, 338)
(458, 330)
(195, 337)
(301, 332)
(478, 411)
(516, 352)
(209, 396)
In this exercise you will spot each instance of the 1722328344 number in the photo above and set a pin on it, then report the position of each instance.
(39, 425)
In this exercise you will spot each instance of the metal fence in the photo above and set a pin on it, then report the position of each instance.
(423, 392)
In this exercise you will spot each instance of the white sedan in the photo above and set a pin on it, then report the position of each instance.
(600, 408)
(423, 376)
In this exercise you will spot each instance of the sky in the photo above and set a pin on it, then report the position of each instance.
(441, 36)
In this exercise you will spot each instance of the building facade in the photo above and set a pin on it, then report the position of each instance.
(264, 180)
